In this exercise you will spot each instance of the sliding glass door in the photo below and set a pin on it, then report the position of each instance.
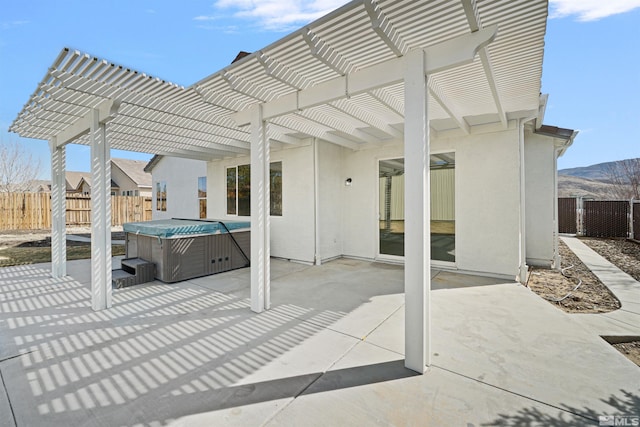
(391, 207)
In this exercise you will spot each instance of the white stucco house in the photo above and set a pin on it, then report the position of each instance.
(387, 130)
(179, 187)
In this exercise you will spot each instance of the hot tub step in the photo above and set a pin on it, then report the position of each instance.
(143, 270)
(122, 279)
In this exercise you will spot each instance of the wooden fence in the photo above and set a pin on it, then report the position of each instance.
(32, 211)
(599, 218)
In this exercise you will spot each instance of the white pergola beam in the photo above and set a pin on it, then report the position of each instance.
(105, 112)
(326, 54)
(448, 54)
(384, 28)
(295, 80)
(365, 117)
(391, 102)
(100, 215)
(58, 210)
(260, 221)
(439, 96)
(417, 244)
(473, 18)
(314, 131)
(282, 73)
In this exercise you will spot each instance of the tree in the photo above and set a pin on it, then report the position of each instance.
(625, 177)
(18, 168)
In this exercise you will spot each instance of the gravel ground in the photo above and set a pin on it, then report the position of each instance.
(625, 254)
(630, 349)
(591, 297)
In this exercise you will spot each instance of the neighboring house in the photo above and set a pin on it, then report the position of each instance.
(179, 187)
(131, 178)
(128, 178)
(40, 186)
(78, 182)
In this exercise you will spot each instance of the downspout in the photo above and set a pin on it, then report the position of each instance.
(558, 151)
(522, 268)
(556, 264)
(317, 258)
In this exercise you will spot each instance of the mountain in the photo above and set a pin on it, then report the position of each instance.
(589, 181)
(597, 172)
(572, 186)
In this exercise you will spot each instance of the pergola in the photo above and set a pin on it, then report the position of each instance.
(366, 74)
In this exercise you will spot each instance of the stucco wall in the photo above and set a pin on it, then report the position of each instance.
(181, 176)
(331, 190)
(292, 234)
(487, 202)
(540, 192)
(360, 207)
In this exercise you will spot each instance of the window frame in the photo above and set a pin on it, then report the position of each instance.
(275, 176)
(161, 196)
(202, 196)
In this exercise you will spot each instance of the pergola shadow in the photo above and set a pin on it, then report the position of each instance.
(165, 351)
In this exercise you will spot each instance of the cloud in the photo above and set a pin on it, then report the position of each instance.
(12, 24)
(275, 15)
(590, 10)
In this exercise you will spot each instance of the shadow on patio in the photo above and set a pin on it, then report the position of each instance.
(165, 351)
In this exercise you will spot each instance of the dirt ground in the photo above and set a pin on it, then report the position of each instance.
(591, 297)
(630, 349)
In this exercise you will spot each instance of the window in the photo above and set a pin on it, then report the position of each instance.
(130, 192)
(231, 191)
(239, 190)
(202, 196)
(161, 196)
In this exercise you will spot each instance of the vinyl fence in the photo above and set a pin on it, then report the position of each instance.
(599, 218)
(32, 211)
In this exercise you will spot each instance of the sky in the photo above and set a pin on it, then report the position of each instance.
(591, 67)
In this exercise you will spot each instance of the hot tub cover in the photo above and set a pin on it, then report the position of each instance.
(180, 227)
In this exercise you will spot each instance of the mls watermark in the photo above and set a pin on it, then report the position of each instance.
(619, 420)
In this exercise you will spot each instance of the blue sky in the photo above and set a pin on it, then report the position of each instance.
(591, 66)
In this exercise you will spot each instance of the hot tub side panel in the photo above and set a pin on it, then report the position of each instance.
(187, 257)
(184, 258)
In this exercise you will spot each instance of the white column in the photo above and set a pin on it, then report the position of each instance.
(417, 235)
(100, 215)
(58, 211)
(260, 228)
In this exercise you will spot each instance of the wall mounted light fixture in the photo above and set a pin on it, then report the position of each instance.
(347, 182)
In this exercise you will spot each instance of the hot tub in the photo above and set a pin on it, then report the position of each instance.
(183, 249)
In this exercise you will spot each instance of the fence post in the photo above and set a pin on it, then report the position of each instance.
(579, 216)
(631, 232)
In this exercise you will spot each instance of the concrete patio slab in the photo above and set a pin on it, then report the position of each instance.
(370, 386)
(329, 352)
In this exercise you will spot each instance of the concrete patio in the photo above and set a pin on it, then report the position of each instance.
(328, 353)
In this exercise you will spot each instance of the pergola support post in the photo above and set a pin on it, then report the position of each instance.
(58, 210)
(100, 215)
(417, 246)
(260, 205)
